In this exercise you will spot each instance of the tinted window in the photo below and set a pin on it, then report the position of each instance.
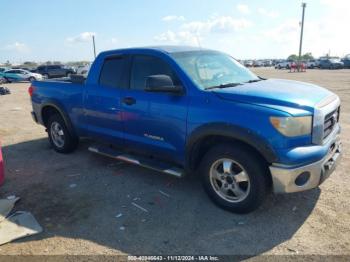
(144, 66)
(112, 71)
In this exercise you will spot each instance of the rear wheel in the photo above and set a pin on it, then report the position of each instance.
(235, 178)
(61, 139)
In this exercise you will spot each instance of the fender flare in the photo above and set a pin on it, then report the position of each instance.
(57, 105)
(238, 133)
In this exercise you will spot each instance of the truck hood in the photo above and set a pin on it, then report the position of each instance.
(277, 93)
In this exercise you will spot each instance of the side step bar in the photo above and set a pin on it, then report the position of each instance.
(138, 160)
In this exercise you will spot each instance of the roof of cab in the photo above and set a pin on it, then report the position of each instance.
(164, 49)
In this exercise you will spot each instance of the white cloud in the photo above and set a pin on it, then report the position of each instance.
(195, 31)
(16, 46)
(82, 37)
(221, 24)
(285, 33)
(243, 9)
(170, 18)
(268, 13)
(181, 37)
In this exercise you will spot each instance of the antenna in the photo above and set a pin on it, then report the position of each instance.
(93, 43)
(303, 5)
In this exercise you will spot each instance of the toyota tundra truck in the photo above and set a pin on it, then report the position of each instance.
(184, 110)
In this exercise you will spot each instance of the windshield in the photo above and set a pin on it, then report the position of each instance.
(335, 60)
(210, 68)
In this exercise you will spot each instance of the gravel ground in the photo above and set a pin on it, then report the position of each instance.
(77, 198)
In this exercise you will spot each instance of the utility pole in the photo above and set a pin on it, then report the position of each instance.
(303, 5)
(93, 43)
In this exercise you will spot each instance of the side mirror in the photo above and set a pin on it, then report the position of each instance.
(161, 83)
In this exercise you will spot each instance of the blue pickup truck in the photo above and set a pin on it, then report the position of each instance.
(184, 110)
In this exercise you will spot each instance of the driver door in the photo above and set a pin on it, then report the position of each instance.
(154, 123)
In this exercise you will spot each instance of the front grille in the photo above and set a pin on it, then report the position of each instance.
(330, 122)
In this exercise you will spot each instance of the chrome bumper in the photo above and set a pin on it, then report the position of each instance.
(287, 180)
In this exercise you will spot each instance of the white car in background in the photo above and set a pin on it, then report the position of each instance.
(284, 64)
(311, 64)
(17, 75)
(83, 70)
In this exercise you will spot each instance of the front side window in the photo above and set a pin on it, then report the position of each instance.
(144, 66)
(212, 68)
(112, 72)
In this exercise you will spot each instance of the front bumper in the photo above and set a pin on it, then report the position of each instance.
(288, 180)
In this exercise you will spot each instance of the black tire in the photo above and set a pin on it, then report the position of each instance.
(7, 80)
(70, 141)
(31, 79)
(254, 167)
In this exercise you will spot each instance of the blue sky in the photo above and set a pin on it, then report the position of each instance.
(61, 30)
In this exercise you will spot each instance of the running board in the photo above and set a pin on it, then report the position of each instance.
(138, 160)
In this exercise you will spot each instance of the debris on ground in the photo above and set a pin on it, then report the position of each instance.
(6, 205)
(241, 223)
(119, 215)
(4, 91)
(11, 197)
(73, 185)
(73, 175)
(19, 224)
(164, 194)
(17, 109)
(294, 209)
(136, 199)
(122, 228)
(292, 250)
(140, 207)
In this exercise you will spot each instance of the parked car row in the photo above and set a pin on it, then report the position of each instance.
(257, 63)
(322, 63)
(41, 72)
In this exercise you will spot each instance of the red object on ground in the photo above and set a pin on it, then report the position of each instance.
(2, 172)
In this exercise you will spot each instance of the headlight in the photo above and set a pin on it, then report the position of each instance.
(292, 126)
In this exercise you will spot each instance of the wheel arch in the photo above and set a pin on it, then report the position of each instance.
(52, 107)
(209, 135)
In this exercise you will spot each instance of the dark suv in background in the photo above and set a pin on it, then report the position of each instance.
(331, 63)
(53, 71)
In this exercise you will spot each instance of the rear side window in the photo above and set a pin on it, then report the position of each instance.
(144, 66)
(112, 72)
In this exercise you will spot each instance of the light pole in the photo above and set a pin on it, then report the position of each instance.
(303, 5)
(93, 43)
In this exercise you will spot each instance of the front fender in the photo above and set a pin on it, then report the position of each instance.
(230, 131)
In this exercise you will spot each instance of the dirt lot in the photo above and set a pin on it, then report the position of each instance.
(76, 198)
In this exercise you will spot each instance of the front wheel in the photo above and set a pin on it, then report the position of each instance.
(234, 177)
(61, 139)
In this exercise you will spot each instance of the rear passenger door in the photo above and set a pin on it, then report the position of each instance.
(154, 123)
(102, 101)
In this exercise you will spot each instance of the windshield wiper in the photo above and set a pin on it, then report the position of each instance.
(255, 80)
(223, 86)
